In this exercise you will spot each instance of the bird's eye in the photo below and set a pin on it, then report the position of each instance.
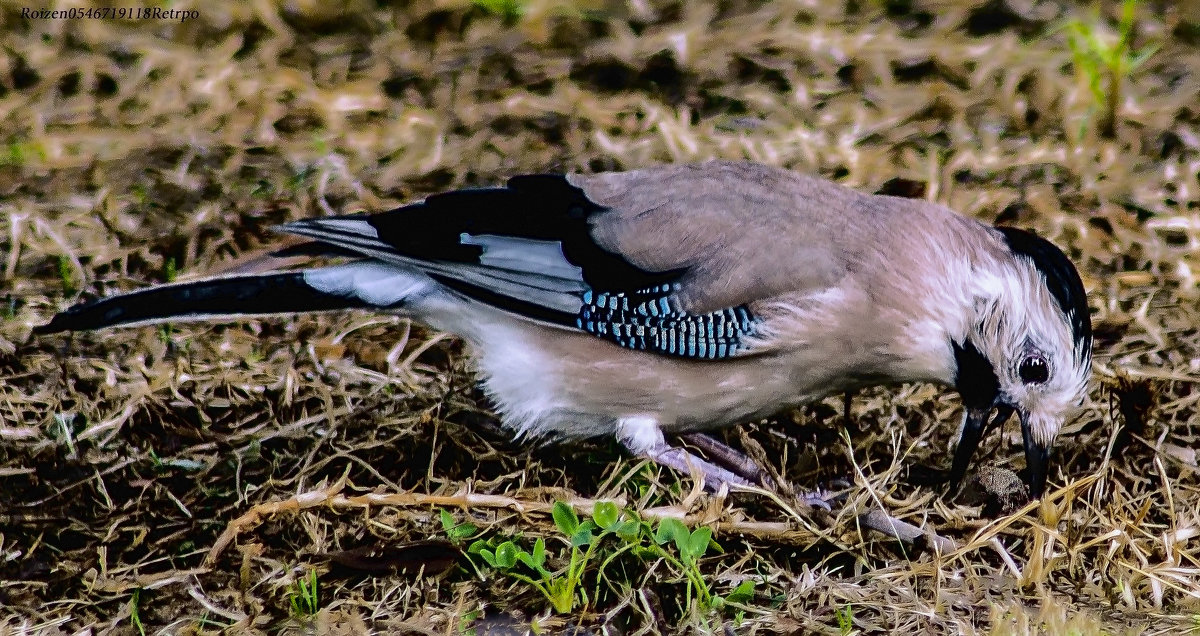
(1034, 370)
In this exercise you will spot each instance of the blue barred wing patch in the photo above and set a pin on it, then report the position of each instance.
(647, 320)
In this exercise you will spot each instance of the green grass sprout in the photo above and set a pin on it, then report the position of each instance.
(304, 596)
(1106, 61)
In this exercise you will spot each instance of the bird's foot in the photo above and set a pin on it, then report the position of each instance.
(715, 477)
(728, 468)
(825, 497)
(731, 459)
(818, 499)
(753, 472)
(642, 436)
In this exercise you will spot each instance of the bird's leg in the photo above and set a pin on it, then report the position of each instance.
(643, 437)
(730, 458)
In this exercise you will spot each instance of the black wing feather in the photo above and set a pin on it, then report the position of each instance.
(542, 207)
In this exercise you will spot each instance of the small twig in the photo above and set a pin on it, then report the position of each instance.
(800, 530)
(331, 497)
(257, 514)
(147, 581)
(880, 521)
(1006, 557)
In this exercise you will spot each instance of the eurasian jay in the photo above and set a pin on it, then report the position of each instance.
(681, 298)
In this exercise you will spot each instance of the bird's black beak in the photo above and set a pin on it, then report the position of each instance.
(975, 425)
(1037, 459)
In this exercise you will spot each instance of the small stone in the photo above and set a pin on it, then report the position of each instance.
(999, 490)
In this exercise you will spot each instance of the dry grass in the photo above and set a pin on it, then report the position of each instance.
(129, 150)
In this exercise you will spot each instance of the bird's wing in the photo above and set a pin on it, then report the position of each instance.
(667, 259)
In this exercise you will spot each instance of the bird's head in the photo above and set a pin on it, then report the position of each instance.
(1028, 350)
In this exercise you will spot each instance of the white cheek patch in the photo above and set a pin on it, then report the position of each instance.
(377, 284)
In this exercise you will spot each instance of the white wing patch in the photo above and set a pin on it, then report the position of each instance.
(378, 284)
(523, 255)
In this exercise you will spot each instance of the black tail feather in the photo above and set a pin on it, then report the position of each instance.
(275, 293)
